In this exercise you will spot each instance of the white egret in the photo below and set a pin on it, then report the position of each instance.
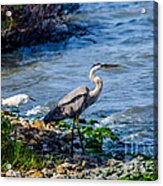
(16, 100)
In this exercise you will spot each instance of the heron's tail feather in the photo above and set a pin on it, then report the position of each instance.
(53, 115)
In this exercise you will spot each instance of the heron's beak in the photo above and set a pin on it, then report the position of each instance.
(32, 99)
(109, 66)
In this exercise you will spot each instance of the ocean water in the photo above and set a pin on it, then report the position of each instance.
(115, 33)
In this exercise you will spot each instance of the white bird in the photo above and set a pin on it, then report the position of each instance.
(16, 100)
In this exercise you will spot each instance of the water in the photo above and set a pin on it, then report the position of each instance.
(116, 33)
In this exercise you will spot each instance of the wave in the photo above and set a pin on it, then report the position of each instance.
(135, 128)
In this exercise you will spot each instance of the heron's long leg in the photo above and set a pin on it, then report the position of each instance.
(72, 138)
(81, 142)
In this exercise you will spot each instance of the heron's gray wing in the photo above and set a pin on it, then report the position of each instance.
(73, 94)
(74, 102)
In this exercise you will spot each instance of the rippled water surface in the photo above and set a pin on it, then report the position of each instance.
(116, 33)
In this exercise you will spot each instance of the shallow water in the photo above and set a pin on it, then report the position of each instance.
(116, 33)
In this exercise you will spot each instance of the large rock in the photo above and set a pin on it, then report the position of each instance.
(33, 24)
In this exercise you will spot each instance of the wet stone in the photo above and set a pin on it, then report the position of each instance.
(12, 173)
(60, 170)
(47, 172)
(34, 174)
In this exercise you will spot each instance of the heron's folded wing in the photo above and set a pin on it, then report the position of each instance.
(74, 103)
(74, 95)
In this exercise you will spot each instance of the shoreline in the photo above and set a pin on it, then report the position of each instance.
(51, 145)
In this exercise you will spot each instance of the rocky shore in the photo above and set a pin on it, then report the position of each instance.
(51, 144)
(84, 167)
(33, 24)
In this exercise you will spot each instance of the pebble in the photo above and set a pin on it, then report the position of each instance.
(47, 172)
(60, 170)
(37, 124)
(33, 142)
(12, 173)
(15, 122)
(34, 174)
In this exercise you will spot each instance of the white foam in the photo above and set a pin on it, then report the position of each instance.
(37, 110)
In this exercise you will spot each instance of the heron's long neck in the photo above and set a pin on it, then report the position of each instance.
(98, 84)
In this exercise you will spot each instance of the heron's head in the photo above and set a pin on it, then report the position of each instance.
(100, 66)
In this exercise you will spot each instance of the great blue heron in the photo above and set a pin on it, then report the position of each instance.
(74, 103)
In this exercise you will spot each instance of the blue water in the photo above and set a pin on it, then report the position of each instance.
(115, 33)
